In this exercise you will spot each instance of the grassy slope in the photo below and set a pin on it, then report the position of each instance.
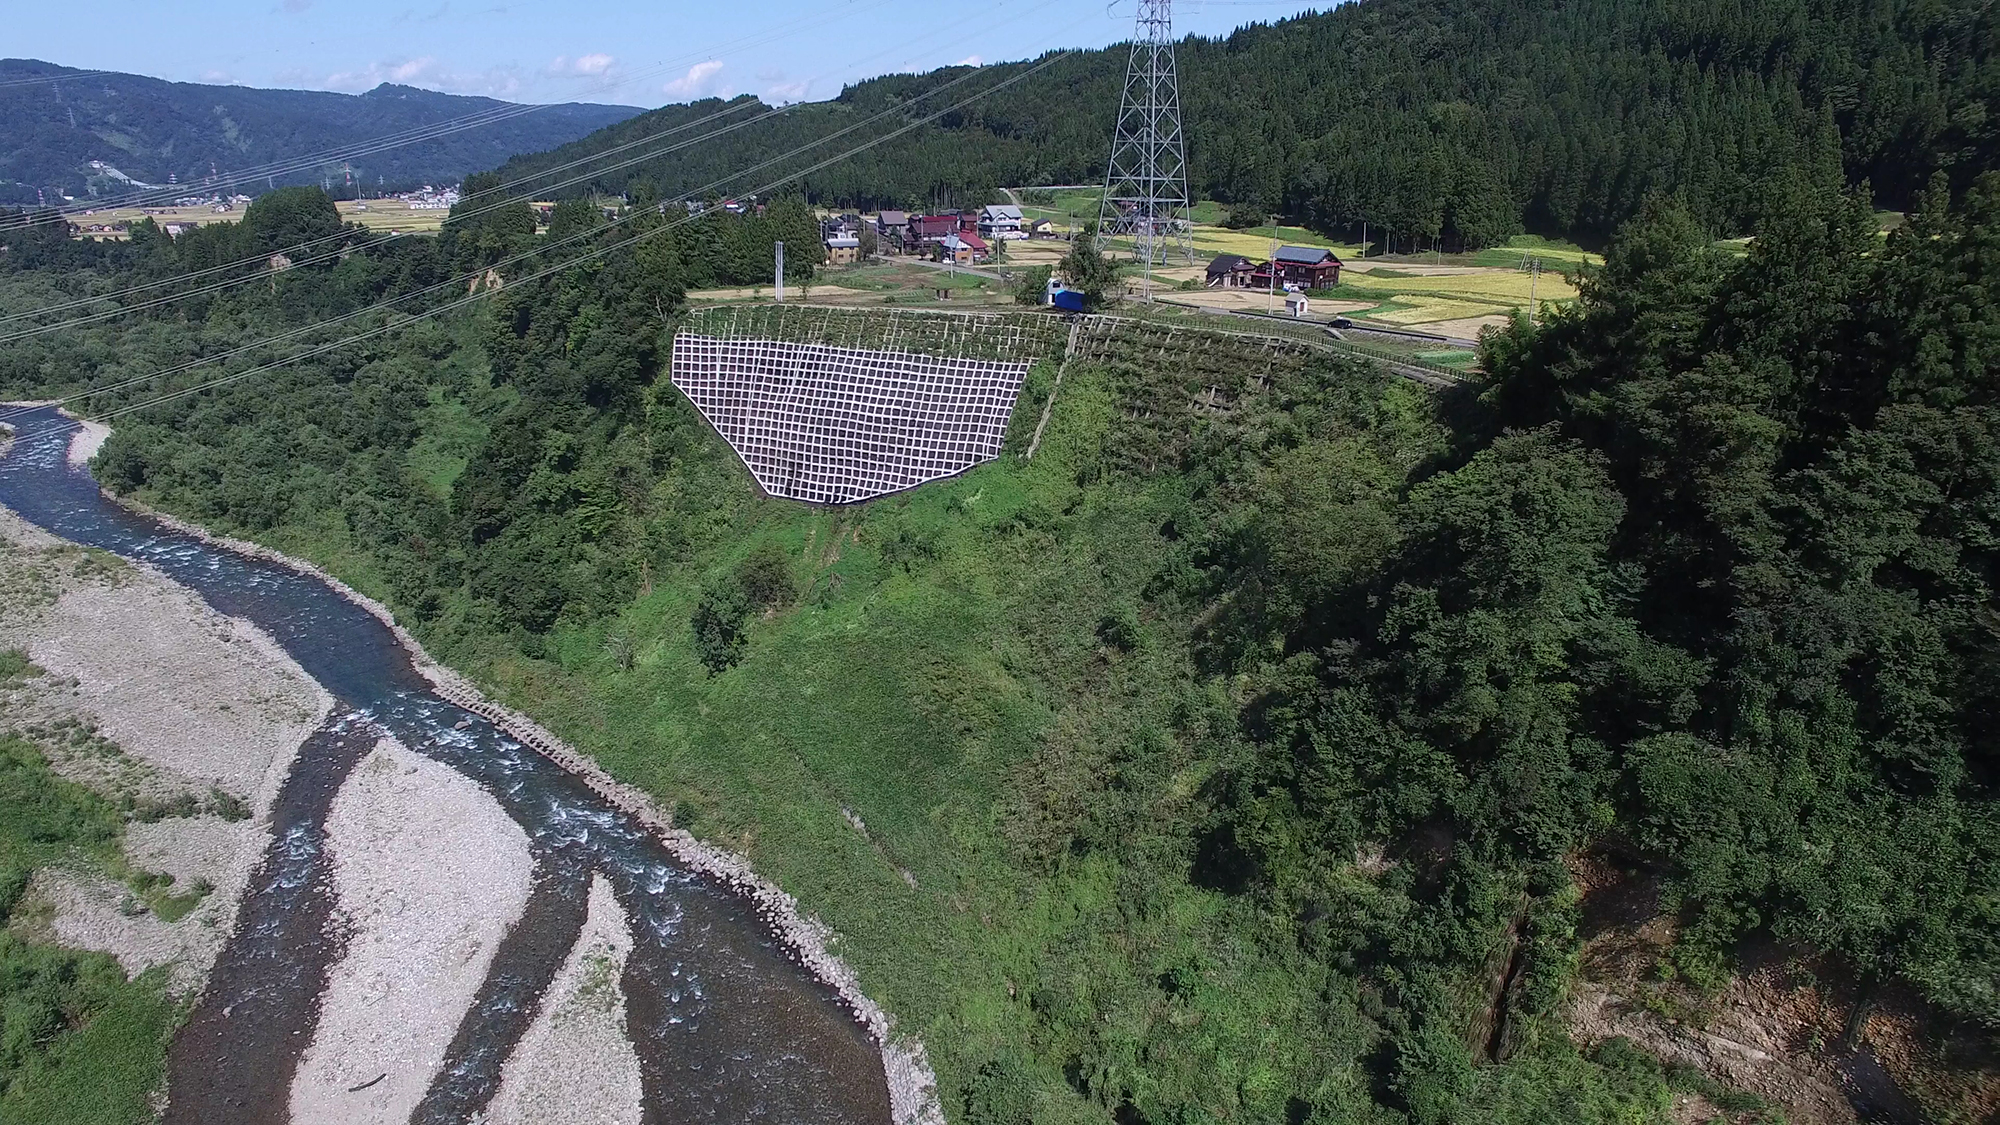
(919, 700)
(1042, 788)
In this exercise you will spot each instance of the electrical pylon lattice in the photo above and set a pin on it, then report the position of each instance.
(1145, 185)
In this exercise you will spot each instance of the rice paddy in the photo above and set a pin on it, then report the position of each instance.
(113, 223)
(392, 215)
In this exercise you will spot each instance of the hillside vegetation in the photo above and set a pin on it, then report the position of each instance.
(1227, 760)
(149, 130)
(1459, 122)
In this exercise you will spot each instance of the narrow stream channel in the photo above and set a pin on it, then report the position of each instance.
(728, 1028)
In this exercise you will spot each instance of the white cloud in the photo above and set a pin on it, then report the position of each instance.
(217, 78)
(415, 70)
(584, 66)
(970, 60)
(784, 92)
(698, 82)
(426, 72)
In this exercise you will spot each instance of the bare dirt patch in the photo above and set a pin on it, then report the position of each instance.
(1789, 1027)
(1466, 328)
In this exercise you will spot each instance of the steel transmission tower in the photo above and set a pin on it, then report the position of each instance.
(1145, 186)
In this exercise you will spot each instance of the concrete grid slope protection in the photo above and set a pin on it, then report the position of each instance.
(833, 425)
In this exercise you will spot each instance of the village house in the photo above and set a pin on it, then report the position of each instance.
(1308, 267)
(931, 228)
(1230, 271)
(843, 249)
(965, 249)
(1041, 228)
(1000, 221)
(892, 226)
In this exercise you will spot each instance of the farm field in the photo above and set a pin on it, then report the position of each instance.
(392, 215)
(375, 214)
(1451, 300)
(90, 221)
(1452, 294)
(875, 283)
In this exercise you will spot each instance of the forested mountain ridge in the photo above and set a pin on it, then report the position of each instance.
(149, 129)
(1461, 121)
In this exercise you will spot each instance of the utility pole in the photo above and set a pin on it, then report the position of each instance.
(1145, 183)
(1534, 275)
(1271, 283)
(781, 272)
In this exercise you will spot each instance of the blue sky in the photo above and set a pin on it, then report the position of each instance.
(782, 50)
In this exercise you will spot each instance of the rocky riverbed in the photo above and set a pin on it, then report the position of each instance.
(450, 915)
(188, 718)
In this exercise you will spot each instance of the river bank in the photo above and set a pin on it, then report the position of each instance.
(430, 874)
(912, 1084)
(803, 939)
(186, 719)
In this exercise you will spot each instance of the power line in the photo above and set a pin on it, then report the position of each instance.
(506, 111)
(475, 276)
(471, 278)
(35, 80)
(342, 235)
(109, 314)
(557, 269)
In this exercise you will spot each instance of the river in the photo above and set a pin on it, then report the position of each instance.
(728, 1026)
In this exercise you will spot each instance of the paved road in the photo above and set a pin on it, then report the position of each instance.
(1393, 334)
(1356, 330)
(940, 266)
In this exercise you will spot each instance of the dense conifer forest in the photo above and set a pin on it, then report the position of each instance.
(1457, 122)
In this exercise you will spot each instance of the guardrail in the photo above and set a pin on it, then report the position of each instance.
(1389, 356)
(1313, 332)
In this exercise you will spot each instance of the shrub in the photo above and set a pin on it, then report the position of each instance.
(718, 625)
(766, 576)
(1033, 284)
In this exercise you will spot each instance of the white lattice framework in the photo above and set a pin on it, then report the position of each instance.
(833, 425)
(1145, 184)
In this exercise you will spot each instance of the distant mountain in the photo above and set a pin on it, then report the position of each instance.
(87, 131)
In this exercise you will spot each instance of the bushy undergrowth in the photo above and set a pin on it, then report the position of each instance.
(1222, 761)
(80, 1043)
